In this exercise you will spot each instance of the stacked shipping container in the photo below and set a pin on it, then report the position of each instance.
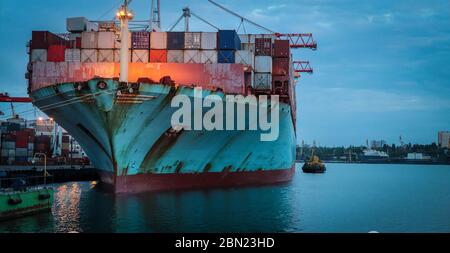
(266, 59)
(281, 67)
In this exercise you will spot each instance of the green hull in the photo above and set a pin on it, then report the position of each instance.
(16, 204)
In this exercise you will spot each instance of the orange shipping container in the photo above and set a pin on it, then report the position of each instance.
(157, 55)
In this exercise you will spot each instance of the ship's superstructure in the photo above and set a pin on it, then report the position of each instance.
(120, 110)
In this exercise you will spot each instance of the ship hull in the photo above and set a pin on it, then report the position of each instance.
(128, 139)
(189, 181)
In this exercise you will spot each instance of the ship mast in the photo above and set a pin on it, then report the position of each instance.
(124, 15)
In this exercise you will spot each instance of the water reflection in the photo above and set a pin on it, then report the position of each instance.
(261, 209)
(66, 208)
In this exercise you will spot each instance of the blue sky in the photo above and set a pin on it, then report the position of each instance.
(382, 68)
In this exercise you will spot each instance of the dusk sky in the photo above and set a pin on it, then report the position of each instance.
(382, 68)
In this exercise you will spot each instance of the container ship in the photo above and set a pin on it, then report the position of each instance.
(111, 86)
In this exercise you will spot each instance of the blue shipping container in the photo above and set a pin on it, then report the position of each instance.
(140, 40)
(175, 40)
(228, 39)
(225, 56)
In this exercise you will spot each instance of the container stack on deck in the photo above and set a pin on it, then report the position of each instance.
(265, 59)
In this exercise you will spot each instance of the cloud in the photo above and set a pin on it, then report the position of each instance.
(268, 12)
(276, 7)
(388, 17)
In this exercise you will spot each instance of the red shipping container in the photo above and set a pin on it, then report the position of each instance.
(280, 66)
(43, 39)
(158, 55)
(263, 46)
(56, 53)
(22, 139)
(282, 49)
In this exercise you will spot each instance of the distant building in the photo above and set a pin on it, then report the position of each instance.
(444, 139)
(418, 156)
(377, 144)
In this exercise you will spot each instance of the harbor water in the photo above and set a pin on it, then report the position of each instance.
(347, 198)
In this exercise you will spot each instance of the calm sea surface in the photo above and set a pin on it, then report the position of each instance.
(347, 198)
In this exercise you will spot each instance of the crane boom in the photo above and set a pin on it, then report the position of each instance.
(4, 97)
(299, 40)
(302, 67)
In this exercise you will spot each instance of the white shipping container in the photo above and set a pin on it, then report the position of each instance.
(209, 40)
(139, 55)
(245, 57)
(192, 56)
(105, 55)
(89, 40)
(89, 55)
(72, 55)
(158, 40)
(38, 55)
(262, 81)
(252, 37)
(106, 40)
(208, 56)
(192, 40)
(263, 64)
(175, 56)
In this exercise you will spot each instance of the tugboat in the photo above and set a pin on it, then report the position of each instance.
(20, 197)
(314, 165)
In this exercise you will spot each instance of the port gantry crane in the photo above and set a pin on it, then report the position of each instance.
(5, 98)
(296, 40)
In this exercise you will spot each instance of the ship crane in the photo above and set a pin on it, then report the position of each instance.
(5, 98)
(302, 67)
(299, 40)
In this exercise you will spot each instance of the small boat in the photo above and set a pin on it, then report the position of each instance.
(314, 165)
(19, 198)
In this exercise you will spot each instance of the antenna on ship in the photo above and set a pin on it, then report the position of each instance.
(155, 17)
(124, 15)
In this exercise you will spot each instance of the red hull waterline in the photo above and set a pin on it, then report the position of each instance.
(164, 182)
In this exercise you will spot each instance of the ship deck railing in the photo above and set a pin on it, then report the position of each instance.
(12, 185)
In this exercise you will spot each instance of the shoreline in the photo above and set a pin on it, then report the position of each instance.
(384, 162)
